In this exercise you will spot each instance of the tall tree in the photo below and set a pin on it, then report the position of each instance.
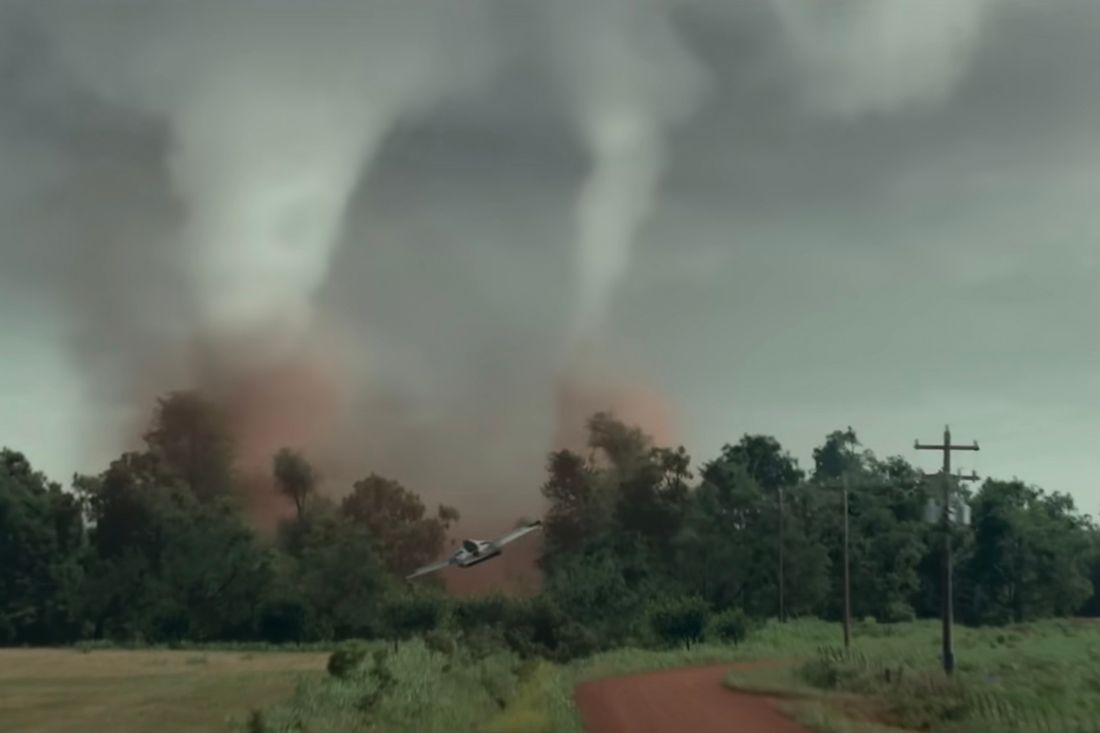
(41, 539)
(191, 439)
(765, 460)
(653, 497)
(576, 511)
(719, 550)
(837, 456)
(628, 492)
(1031, 554)
(888, 540)
(397, 521)
(622, 447)
(295, 478)
(341, 576)
(164, 564)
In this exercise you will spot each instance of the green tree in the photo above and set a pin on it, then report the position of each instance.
(837, 456)
(626, 487)
(734, 526)
(1092, 606)
(295, 478)
(721, 556)
(621, 447)
(888, 541)
(1031, 555)
(653, 497)
(679, 622)
(190, 439)
(164, 565)
(410, 615)
(766, 462)
(41, 539)
(592, 589)
(340, 576)
(405, 536)
(578, 510)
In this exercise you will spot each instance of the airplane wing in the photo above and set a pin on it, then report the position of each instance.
(517, 533)
(428, 569)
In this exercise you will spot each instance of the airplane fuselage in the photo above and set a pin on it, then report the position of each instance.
(474, 552)
(471, 560)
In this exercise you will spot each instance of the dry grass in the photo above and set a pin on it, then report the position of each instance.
(69, 691)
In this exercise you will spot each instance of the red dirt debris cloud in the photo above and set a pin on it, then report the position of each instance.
(307, 401)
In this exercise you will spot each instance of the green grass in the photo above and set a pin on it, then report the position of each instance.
(1037, 677)
(126, 691)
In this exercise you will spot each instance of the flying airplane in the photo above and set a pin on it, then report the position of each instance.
(474, 552)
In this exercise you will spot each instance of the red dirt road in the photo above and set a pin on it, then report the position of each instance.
(690, 700)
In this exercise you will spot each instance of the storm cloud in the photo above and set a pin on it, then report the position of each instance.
(880, 215)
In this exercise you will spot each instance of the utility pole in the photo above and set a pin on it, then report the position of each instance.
(844, 485)
(782, 604)
(847, 576)
(947, 591)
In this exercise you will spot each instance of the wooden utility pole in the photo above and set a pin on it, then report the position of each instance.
(847, 576)
(782, 604)
(946, 590)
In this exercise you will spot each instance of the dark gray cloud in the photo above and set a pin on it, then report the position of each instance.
(885, 223)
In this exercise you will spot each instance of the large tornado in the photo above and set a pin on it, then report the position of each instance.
(627, 79)
(275, 112)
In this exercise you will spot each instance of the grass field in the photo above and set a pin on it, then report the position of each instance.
(71, 691)
(1040, 678)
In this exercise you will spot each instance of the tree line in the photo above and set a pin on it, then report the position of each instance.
(159, 547)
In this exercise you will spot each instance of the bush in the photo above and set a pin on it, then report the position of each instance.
(534, 627)
(679, 622)
(408, 616)
(899, 612)
(256, 722)
(345, 659)
(477, 613)
(283, 621)
(730, 626)
(382, 680)
(440, 642)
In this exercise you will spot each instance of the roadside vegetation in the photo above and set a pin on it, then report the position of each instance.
(1041, 677)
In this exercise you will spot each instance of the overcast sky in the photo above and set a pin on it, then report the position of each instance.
(889, 223)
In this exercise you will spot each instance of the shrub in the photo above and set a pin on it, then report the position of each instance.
(383, 681)
(731, 626)
(899, 612)
(440, 642)
(283, 621)
(477, 613)
(679, 622)
(534, 627)
(256, 722)
(345, 659)
(408, 616)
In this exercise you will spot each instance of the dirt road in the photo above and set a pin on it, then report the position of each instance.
(690, 700)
